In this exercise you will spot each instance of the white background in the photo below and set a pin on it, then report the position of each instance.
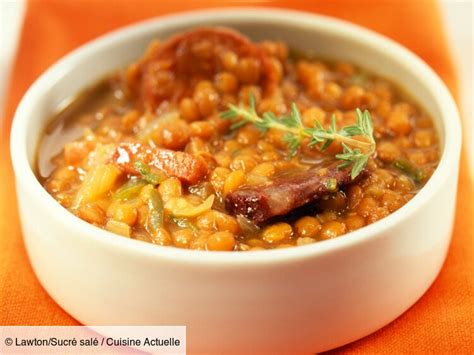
(457, 15)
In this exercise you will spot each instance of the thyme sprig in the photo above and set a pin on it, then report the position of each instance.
(357, 140)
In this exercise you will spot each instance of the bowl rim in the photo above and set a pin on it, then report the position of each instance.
(24, 174)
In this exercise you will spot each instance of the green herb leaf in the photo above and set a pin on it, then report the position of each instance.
(359, 164)
(293, 119)
(293, 144)
(351, 131)
(333, 124)
(252, 103)
(237, 125)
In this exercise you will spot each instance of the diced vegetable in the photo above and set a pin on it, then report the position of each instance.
(97, 183)
(155, 209)
(129, 190)
(180, 207)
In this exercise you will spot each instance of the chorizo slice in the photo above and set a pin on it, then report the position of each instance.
(171, 70)
(186, 167)
(287, 192)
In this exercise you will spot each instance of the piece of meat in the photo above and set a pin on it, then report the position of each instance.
(186, 167)
(172, 70)
(286, 193)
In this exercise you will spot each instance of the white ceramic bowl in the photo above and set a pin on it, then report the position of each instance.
(310, 298)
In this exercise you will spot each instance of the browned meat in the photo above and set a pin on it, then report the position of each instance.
(184, 166)
(166, 73)
(286, 193)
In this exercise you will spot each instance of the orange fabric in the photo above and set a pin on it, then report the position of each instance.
(442, 321)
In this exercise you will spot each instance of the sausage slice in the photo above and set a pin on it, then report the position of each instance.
(186, 167)
(171, 71)
(287, 192)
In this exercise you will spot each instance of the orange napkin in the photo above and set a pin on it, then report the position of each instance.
(442, 321)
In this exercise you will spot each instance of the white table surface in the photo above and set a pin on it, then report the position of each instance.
(457, 16)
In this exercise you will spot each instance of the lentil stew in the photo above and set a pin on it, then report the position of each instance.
(147, 154)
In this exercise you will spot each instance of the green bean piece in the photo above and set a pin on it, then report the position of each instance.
(410, 170)
(129, 190)
(144, 170)
(156, 211)
(183, 223)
